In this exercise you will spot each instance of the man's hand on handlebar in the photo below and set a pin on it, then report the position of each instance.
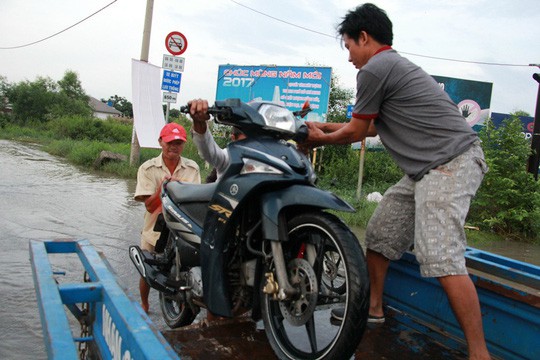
(198, 110)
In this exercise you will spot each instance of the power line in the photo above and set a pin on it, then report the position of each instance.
(59, 32)
(283, 21)
(403, 52)
(464, 61)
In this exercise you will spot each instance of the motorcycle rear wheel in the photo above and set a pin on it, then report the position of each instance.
(301, 328)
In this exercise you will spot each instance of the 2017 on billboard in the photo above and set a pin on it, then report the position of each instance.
(238, 82)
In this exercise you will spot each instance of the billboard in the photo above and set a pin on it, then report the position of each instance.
(290, 86)
(473, 98)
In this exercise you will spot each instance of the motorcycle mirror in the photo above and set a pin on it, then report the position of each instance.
(306, 108)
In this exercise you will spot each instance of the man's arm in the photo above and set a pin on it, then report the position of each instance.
(152, 202)
(210, 151)
(206, 145)
(339, 134)
(331, 127)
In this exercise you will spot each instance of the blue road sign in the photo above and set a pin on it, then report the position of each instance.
(349, 111)
(171, 81)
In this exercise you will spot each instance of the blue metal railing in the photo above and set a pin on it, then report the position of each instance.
(117, 326)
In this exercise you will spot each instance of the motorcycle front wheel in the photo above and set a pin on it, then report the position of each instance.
(301, 327)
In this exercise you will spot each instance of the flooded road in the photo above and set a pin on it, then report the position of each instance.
(42, 197)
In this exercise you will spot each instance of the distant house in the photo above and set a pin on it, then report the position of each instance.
(102, 110)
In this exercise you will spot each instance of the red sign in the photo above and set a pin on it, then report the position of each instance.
(176, 43)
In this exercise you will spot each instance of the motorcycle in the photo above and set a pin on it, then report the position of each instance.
(261, 239)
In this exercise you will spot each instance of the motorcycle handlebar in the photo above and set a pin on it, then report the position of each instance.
(212, 110)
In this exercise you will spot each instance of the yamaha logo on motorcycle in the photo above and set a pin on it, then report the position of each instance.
(273, 249)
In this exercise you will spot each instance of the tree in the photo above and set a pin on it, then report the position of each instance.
(30, 100)
(174, 114)
(70, 86)
(338, 101)
(121, 104)
(508, 200)
(340, 163)
(45, 99)
(70, 99)
(338, 159)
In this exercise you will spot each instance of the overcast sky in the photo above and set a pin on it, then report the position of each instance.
(293, 33)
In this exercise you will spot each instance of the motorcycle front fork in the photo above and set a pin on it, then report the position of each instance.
(282, 289)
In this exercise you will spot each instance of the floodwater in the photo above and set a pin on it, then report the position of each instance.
(42, 197)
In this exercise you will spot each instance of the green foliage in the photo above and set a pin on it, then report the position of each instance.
(338, 101)
(70, 87)
(88, 128)
(44, 99)
(4, 120)
(65, 106)
(174, 113)
(340, 163)
(122, 169)
(32, 132)
(380, 170)
(508, 200)
(79, 152)
(30, 100)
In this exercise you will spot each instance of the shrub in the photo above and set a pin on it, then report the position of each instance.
(340, 167)
(88, 128)
(508, 200)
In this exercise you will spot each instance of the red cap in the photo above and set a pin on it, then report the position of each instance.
(171, 132)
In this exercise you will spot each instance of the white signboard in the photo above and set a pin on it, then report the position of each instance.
(147, 108)
(175, 63)
(169, 97)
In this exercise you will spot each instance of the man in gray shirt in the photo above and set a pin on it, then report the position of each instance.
(437, 150)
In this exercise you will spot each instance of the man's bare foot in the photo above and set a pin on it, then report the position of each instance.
(146, 308)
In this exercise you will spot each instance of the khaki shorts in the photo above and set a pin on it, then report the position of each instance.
(145, 245)
(429, 215)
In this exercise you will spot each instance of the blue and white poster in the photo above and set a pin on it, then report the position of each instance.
(290, 86)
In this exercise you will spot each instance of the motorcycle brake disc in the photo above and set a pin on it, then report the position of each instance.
(299, 310)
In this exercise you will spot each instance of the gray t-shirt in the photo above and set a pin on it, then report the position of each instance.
(418, 123)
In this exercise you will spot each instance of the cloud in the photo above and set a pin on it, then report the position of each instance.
(224, 31)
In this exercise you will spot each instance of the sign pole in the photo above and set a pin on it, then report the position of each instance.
(134, 156)
(361, 170)
(534, 159)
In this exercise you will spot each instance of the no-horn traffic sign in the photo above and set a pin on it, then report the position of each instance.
(176, 43)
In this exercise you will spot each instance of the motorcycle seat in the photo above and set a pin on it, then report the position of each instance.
(182, 193)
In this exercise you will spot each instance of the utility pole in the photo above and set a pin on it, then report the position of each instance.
(534, 159)
(134, 156)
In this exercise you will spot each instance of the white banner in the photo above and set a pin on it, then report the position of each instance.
(147, 106)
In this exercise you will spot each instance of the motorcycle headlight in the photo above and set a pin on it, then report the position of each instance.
(253, 166)
(278, 117)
